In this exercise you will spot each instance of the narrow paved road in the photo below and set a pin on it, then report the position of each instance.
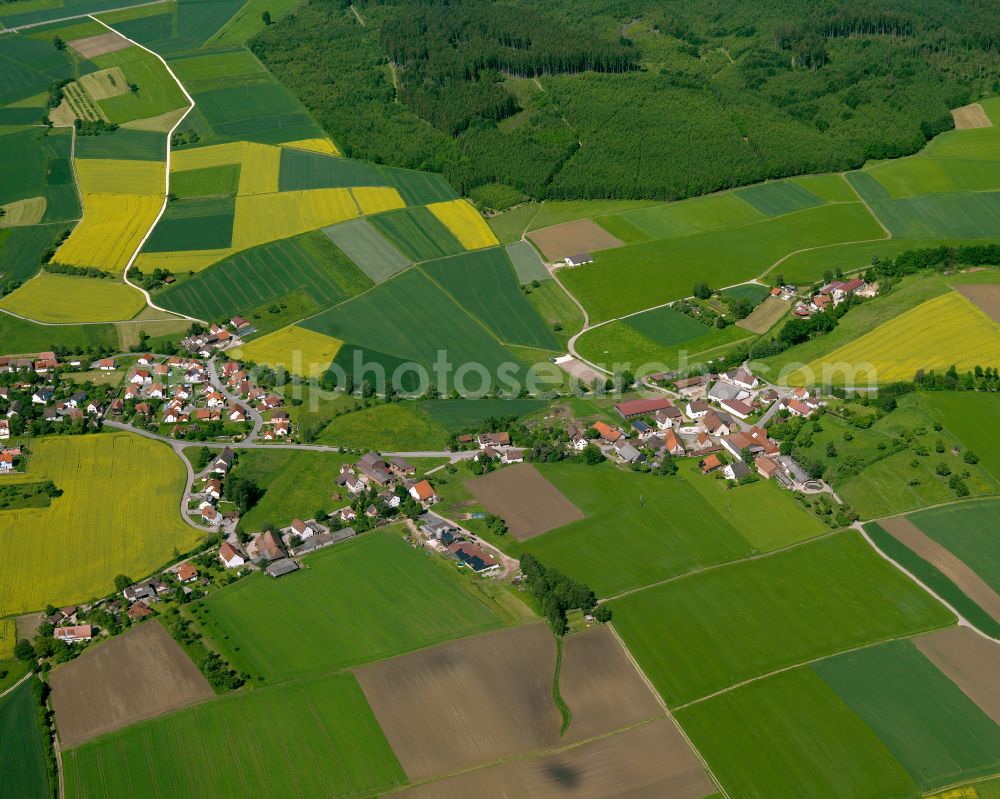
(233, 400)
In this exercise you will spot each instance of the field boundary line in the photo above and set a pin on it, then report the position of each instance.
(17, 684)
(28, 25)
(166, 188)
(667, 712)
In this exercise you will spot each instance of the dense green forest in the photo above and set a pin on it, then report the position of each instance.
(633, 98)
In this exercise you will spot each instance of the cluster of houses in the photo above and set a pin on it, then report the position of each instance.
(218, 337)
(277, 426)
(832, 294)
(493, 446)
(449, 538)
(373, 474)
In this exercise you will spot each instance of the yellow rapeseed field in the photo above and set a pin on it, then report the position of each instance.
(179, 262)
(375, 199)
(64, 299)
(119, 514)
(260, 164)
(261, 218)
(111, 229)
(108, 176)
(465, 223)
(324, 146)
(302, 352)
(936, 334)
(8, 637)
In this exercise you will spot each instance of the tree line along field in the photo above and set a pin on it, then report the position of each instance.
(129, 489)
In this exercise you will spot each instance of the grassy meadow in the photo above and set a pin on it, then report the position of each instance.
(22, 759)
(62, 299)
(400, 427)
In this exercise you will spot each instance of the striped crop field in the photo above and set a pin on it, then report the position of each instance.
(375, 199)
(61, 299)
(177, 262)
(465, 223)
(300, 351)
(127, 488)
(935, 335)
(259, 163)
(110, 232)
(109, 176)
(261, 218)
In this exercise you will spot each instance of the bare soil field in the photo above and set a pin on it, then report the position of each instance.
(601, 685)
(524, 499)
(578, 369)
(970, 116)
(136, 676)
(764, 316)
(986, 298)
(651, 760)
(573, 238)
(971, 584)
(467, 702)
(968, 660)
(91, 46)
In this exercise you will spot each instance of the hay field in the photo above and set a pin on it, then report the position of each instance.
(941, 332)
(57, 299)
(970, 116)
(937, 732)
(261, 218)
(104, 83)
(709, 631)
(128, 489)
(133, 677)
(968, 660)
(110, 232)
(367, 599)
(523, 498)
(23, 213)
(109, 176)
(300, 351)
(375, 199)
(321, 740)
(465, 223)
(765, 316)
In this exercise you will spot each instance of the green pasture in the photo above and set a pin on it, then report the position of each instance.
(970, 532)
(510, 225)
(124, 144)
(754, 292)
(913, 177)
(216, 70)
(779, 198)
(61, 200)
(309, 264)
(709, 631)
(659, 271)
(938, 733)
(832, 187)
(483, 282)
(552, 212)
(417, 233)
(20, 336)
(28, 66)
(22, 760)
(365, 599)
(685, 218)
(960, 216)
(256, 111)
(667, 327)
(932, 577)
(791, 737)
(417, 188)
(397, 426)
(203, 223)
(555, 307)
(640, 528)
(210, 181)
(296, 484)
(974, 419)
(158, 92)
(308, 738)
(976, 144)
(460, 414)
(527, 262)
(22, 168)
(248, 20)
(360, 242)
(21, 249)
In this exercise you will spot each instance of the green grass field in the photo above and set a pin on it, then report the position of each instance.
(311, 738)
(21, 249)
(461, 414)
(418, 188)
(210, 181)
(22, 760)
(780, 197)
(417, 233)
(709, 631)
(485, 285)
(22, 169)
(305, 170)
(310, 264)
(963, 216)
(124, 144)
(832, 188)
(157, 91)
(791, 737)
(527, 262)
(968, 531)
(938, 733)
(685, 218)
(203, 223)
(663, 526)
(373, 254)
(400, 427)
(658, 272)
(366, 599)
(510, 225)
(555, 307)
(21, 336)
(973, 418)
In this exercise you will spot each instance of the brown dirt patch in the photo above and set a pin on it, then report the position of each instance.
(136, 676)
(573, 238)
(765, 315)
(578, 369)
(524, 499)
(971, 116)
(467, 702)
(651, 760)
(91, 46)
(601, 685)
(985, 297)
(969, 661)
(970, 583)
